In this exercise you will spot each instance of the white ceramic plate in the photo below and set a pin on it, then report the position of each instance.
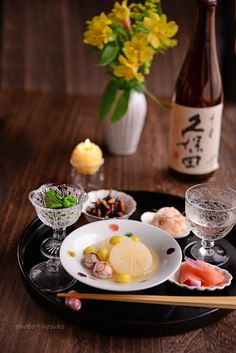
(147, 217)
(228, 278)
(165, 246)
(93, 196)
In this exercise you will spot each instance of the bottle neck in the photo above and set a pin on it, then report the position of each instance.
(199, 83)
(204, 33)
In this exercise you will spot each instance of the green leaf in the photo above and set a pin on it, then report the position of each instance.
(107, 100)
(121, 106)
(108, 54)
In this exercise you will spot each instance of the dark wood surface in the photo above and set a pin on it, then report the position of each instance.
(37, 134)
(42, 46)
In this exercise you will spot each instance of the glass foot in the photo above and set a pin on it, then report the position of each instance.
(215, 256)
(50, 247)
(50, 280)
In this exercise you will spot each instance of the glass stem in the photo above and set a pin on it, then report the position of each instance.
(53, 264)
(207, 247)
(59, 233)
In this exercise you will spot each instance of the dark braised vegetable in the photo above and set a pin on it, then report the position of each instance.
(108, 207)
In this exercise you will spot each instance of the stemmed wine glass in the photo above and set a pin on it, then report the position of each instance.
(50, 275)
(211, 213)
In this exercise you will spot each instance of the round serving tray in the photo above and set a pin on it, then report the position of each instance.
(127, 319)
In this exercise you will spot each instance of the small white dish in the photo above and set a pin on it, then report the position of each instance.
(159, 242)
(147, 217)
(93, 196)
(228, 278)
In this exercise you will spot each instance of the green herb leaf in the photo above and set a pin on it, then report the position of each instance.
(107, 100)
(58, 196)
(53, 204)
(121, 106)
(108, 54)
(54, 200)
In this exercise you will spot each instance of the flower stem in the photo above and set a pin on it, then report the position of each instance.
(156, 100)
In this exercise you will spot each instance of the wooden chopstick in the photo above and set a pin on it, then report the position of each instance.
(197, 301)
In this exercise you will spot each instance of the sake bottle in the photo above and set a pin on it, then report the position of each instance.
(197, 106)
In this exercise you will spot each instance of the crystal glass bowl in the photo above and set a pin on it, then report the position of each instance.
(58, 218)
(49, 275)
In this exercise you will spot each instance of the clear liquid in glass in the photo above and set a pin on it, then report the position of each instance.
(209, 222)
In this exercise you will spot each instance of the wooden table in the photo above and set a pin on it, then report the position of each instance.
(37, 135)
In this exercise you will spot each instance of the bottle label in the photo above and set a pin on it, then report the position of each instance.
(195, 138)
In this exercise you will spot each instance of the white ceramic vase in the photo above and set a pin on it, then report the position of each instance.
(122, 137)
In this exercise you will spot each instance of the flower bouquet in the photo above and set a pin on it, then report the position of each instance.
(128, 38)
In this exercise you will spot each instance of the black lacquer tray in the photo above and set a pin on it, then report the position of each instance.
(128, 319)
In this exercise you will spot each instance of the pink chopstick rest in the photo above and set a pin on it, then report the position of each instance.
(73, 303)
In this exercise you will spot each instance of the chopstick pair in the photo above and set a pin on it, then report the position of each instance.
(196, 301)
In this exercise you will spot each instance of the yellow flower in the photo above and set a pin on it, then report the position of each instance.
(121, 13)
(160, 31)
(151, 5)
(128, 69)
(99, 32)
(138, 48)
(137, 52)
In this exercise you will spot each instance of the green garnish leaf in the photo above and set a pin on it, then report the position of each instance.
(53, 204)
(54, 200)
(69, 201)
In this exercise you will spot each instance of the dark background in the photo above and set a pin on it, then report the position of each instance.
(42, 49)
